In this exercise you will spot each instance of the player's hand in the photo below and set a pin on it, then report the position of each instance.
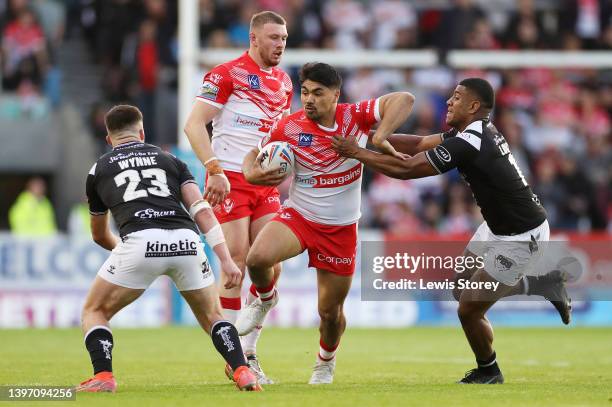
(233, 276)
(258, 176)
(217, 188)
(346, 146)
(386, 148)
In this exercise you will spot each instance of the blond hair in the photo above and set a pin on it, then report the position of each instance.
(265, 17)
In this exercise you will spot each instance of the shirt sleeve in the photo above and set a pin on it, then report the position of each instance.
(185, 176)
(96, 206)
(452, 152)
(367, 113)
(216, 87)
(277, 133)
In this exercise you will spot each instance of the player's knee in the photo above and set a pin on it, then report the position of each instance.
(92, 309)
(330, 314)
(468, 310)
(257, 260)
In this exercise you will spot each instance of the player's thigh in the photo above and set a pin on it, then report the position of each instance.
(332, 290)
(479, 300)
(258, 224)
(204, 303)
(274, 243)
(109, 298)
(236, 234)
(465, 274)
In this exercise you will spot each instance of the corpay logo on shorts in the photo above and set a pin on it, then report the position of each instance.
(334, 260)
(152, 213)
(181, 248)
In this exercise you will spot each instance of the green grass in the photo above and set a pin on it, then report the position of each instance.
(416, 366)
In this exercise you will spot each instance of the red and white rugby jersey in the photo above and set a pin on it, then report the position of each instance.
(251, 100)
(326, 188)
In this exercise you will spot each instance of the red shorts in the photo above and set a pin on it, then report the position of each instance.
(246, 200)
(331, 248)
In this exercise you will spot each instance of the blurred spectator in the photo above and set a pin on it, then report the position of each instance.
(32, 214)
(79, 224)
(24, 53)
(586, 20)
(456, 23)
(525, 28)
(393, 25)
(348, 22)
(481, 36)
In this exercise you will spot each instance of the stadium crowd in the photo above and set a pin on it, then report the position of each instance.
(557, 121)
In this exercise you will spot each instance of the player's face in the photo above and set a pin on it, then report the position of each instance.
(319, 101)
(460, 107)
(270, 41)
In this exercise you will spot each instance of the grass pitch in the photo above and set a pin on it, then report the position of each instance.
(416, 366)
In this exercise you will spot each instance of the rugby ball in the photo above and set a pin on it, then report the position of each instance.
(277, 154)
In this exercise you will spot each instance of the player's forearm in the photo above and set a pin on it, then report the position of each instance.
(107, 240)
(411, 144)
(208, 224)
(247, 164)
(397, 107)
(383, 163)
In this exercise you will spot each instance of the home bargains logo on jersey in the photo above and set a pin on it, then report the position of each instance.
(331, 180)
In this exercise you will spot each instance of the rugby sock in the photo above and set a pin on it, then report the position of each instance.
(489, 366)
(225, 338)
(266, 293)
(326, 352)
(252, 294)
(99, 343)
(249, 341)
(525, 285)
(231, 308)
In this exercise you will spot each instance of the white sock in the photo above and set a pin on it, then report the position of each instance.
(249, 342)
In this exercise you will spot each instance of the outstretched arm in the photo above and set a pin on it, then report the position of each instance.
(394, 167)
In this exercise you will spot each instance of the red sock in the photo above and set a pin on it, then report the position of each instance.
(327, 353)
(231, 308)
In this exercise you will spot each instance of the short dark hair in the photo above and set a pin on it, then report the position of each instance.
(265, 17)
(482, 89)
(121, 117)
(321, 73)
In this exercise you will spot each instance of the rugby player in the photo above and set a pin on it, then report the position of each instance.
(323, 208)
(515, 226)
(243, 98)
(144, 187)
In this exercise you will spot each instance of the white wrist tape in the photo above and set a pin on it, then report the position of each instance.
(213, 158)
(197, 206)
(215, 236)
(227, 183)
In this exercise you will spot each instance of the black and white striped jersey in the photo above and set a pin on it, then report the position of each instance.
(483, 158)
(141, 185)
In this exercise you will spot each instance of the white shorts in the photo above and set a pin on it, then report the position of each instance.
(143, 256)
(508, 258)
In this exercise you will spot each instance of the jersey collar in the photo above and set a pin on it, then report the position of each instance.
(251, 61)
(127, 145)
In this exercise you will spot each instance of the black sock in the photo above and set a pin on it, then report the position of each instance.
(99, 343)
(225, 338)
(489, 366)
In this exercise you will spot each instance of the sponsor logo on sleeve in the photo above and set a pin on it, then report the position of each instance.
(304, 140)
(209, 91)
(443, 154)
(215, 78)
(253, 82)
